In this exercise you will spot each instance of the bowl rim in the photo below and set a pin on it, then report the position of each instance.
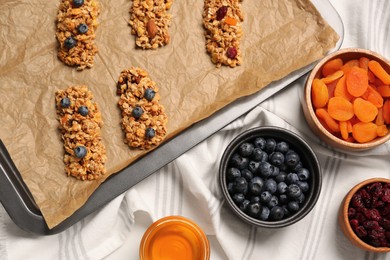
(309, 105)
(281, 134)
(344, 215)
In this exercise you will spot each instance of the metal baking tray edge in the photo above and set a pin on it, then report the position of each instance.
(19, 204)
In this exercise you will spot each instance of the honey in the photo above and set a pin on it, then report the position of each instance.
(173, 238)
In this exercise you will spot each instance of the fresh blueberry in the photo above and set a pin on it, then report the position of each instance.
(274, 201)
(265, 169)
(275, 171)
(297, 166)
(259, 155)
(82, 28)
(65, 102)
(80, 151)
(303, 185)
(270, 185)
(276, 213)
(238, 198)
(259, 142)
(276, 158)
(232, 173)
(83, 110)
(283, 199)
(230, 187)
(239, 162)
(282, 147)
(282, 187)
(287, 213)
(293, 206)
(254, 199)
(149, 94)
(265, 196)
(137, 112)
(283, 167)
(245, 149)
(247, 174)
(150, 133)
(301, 198)
(270, 145)
(244, 205)
(253, 166)
(264, 215)
(292, 178)
(254, 209)
(303, 174)
(292, 159)
(256, 185)
(77, 3)
(281, 177)
(70, 42)
(293, 191)
(241, 185)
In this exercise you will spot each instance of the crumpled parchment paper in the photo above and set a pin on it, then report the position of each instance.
(280, 36)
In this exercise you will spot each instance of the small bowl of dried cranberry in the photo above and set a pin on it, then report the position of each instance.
(364, 215)
(270, 177)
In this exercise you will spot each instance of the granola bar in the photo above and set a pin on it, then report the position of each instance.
(143, 117)
(150, 21)
(222, 22)
(80, 124)
(76, 26)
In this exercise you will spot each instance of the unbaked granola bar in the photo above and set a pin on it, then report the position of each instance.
(150, 20)
(143, 117)
(222, 22)
(80, 124)
(76, 25)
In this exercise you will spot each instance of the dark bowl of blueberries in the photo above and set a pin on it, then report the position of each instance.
(270, 177)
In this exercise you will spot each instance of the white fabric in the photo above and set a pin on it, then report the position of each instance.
(189, 186)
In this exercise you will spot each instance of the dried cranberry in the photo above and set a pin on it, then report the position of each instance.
(377, 233)
(371, 224)
(357, 201)
(351, 213)
(360, 217)
(361, 231)
(354, 223)
(385, 223)
(375, 189)
(221, 12)
(386, 195)
(372, 214)
(366, 198)
(231, 52)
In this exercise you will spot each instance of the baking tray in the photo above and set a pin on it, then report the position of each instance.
(18, 202)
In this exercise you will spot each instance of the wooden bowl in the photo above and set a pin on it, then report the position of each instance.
(344, 221)
(311, 118)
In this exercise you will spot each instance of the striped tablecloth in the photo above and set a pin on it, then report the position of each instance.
(188, 186)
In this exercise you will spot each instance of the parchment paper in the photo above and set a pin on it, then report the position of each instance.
(280, 36)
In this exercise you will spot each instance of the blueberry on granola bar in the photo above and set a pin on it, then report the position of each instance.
(77, 3)
(80, 151)
(149, 94)
(82, 28)
(137, 112)
(83, 110)
(150, 133)
(70, 42)
(65, 102)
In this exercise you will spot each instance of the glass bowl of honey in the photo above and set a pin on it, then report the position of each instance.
(174, 237)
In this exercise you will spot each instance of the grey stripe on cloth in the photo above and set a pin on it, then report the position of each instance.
(3, 236)
(250, 244)
(71, 245)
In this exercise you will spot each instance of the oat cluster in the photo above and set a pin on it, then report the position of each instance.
(150, 20)
(143, 117)
(76, 26)
(80, 126)
(223, 31)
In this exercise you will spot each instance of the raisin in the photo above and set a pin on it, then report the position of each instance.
(221, 12)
